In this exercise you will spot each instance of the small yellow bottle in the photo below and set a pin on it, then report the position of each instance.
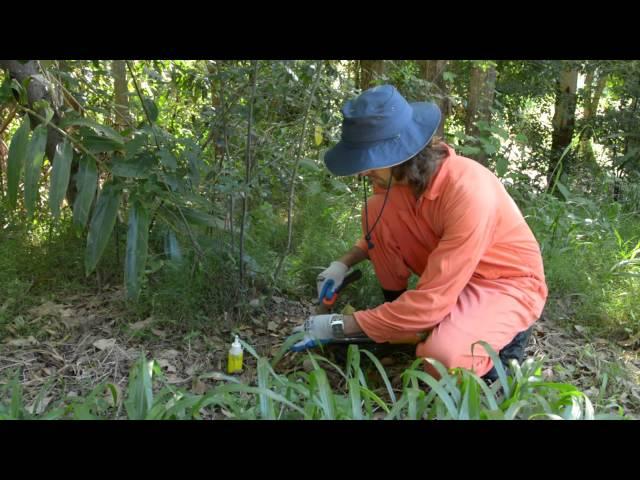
(234, 362)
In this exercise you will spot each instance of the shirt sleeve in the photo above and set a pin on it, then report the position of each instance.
(469, 218)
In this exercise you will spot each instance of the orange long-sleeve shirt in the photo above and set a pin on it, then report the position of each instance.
(464, 225)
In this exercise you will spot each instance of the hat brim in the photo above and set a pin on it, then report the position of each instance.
(351, 159)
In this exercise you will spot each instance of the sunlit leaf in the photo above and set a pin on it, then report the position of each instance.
(33, 167)
(137, 245)
(60, 176)
(102, 222)
(16, 159)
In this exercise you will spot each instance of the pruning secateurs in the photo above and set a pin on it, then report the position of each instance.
(330, 297)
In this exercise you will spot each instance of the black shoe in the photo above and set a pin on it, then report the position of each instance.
(514, 350)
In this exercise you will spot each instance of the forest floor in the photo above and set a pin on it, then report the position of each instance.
(86, 339)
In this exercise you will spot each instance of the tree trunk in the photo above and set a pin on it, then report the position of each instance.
(38, 91)
(35, 91)
(4, 153)
(215, 134)
(592, 96)
(369, 71)
(121, 94)
(432, 71)
(479, 102)
(563, 121)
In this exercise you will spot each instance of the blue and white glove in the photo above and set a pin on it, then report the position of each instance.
(330, 279)
(317, 330)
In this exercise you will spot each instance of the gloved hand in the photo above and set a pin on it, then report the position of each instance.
(331, 279)
(317, 330)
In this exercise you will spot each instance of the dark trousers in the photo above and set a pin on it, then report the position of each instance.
(514, 350)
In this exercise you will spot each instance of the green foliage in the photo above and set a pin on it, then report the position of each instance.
(588, 247)
(60, 174)
(16, 159)
(458, 394)
(102, 223)
(187, 169)
(33, 167)
(137, 244)
(86, 184)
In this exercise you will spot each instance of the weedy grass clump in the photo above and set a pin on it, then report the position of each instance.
(520, 393)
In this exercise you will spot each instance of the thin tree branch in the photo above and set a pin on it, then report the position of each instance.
(245, 202)
(316, 81)
(9, 119)
(73, 140)
(166, 186)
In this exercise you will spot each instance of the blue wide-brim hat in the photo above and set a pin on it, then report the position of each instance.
(381, 129)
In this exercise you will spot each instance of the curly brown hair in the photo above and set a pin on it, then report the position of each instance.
(419, 169)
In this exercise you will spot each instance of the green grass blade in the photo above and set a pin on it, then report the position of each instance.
(355, 397)
(235, 387)
(383, 374)
(489, 396)
(266, 404)
(397, 408)
(497, 363)
(442, 394)
(325, 395)
(448, 381)
(288, 343)
(16, 411)
(513, 410)
(412, 403)
(249, 349)
(140, 393)
(320, 358)
(353, 360)
(381, 403)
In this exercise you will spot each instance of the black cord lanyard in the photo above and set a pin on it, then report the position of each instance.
(366, 210)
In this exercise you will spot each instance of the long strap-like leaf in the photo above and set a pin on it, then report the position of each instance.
(102, 222)
(86, 182)
(137, 244)
(60, 176)
(33, 167)
(16, 159)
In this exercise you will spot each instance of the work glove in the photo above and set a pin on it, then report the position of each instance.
(330, 279)
(317, 329)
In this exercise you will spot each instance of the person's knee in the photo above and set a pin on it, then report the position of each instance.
(440, 352)
(452, 356)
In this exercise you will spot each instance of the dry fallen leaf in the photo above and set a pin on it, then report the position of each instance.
(307, 365)
(47, 308)
(272, 326)
(199, 387)
(387, 361)
(22, 342)
(213, 375)
(141, 324)
(170, 353)
(165, 364)
(158, 332)
(174, 379)
(104, 343)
